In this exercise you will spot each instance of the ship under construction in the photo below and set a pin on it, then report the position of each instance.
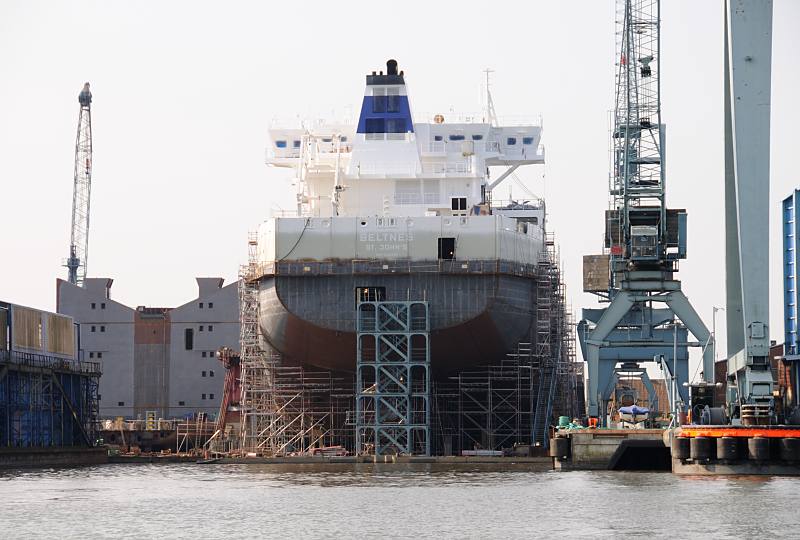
(401, 308)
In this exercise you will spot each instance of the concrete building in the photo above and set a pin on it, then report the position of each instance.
(155, 359)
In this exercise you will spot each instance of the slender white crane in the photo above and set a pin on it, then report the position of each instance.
(79, 237)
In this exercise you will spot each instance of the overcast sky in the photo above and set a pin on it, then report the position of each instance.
(184, 93)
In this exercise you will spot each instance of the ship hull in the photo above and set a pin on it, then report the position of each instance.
(474, 319)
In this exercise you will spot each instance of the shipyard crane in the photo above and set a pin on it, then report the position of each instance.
(79, 236)
(648, 316)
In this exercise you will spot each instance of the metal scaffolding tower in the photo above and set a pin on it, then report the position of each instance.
(548, 342)
(284, 409)
(494, 405)
(393, 393)
(257, 364)
(513, 402)
(81, 194)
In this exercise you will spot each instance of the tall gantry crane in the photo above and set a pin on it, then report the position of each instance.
(648, 315)
(81, 194)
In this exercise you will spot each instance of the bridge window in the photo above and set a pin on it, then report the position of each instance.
(477, 137)
(511, 141)
(527, 140)
(393, 100)
(456, 137)
(280, 144)
(396, 125)
(378, 100)
(375, 125)
(437, 138)
(458, 203)
(295, 144)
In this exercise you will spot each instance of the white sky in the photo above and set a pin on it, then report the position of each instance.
(184, 92)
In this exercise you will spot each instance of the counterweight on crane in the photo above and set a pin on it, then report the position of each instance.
(79, 237)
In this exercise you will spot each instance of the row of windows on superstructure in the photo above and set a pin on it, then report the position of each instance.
(210, 305)
(297, 143)
(102, 305)
(199, 328)
(183, 403)
(180, 403)
(510, 141)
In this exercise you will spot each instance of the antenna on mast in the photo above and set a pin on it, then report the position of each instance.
(490, 114)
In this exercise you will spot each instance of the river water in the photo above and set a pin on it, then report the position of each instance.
(369, 501)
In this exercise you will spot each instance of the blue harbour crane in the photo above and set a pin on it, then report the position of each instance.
(648, 317)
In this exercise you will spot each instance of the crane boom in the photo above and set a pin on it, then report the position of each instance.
(81, 194)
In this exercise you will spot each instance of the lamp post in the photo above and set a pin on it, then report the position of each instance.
(714, 332)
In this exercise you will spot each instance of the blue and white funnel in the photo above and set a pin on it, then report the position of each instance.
(385, 141)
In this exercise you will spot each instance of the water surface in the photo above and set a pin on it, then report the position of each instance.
(368, 501)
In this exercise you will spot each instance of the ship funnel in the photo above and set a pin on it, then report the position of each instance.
(385, 122)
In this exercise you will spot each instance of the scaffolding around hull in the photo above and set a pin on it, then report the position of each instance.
(392, 403)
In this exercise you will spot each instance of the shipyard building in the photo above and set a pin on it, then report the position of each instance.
(155, 359)
(48, 395)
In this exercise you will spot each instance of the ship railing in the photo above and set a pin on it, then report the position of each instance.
(435, 147)
(386, 169)
(449, 167)
(522, 152)
(44, 361)
(478, 118)
(397, 266)
(457, 147)
(276, 213)
(510, 204)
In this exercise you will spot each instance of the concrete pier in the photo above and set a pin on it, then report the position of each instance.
(603, 449)
(17, 458)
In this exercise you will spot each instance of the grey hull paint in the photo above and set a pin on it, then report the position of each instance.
(475, 319)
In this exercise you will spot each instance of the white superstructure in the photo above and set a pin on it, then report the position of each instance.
(389, 186)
